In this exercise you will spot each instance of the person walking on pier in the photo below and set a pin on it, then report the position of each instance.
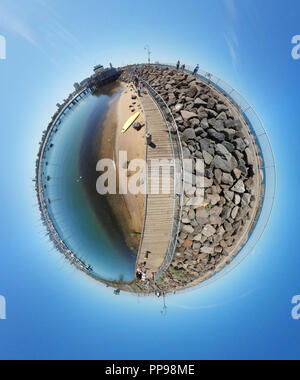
(196, 70)
(183, 67)
(141, 86)
(178, 65)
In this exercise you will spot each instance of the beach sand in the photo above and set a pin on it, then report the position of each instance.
(129, 208)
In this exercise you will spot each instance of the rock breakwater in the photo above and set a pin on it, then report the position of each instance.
(213, 129)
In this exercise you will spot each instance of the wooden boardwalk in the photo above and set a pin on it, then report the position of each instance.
(159, 207)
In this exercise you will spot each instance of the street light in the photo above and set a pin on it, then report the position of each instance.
(149, 53)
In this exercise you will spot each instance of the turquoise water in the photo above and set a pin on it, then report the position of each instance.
(81, 216)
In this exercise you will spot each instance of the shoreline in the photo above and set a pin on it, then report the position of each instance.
(128, 209)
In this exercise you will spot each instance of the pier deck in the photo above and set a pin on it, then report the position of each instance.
(159, 208)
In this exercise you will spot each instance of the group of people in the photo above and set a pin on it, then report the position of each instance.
(141, 274)
(182, 67)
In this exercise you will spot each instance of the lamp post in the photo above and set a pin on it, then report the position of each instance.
(149, 53)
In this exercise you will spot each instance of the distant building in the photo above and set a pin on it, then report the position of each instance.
(58, 105)
(98, 69)
(102, 73)
(76, 86)
(85, 82)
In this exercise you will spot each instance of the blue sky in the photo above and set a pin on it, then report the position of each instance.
(56, 312)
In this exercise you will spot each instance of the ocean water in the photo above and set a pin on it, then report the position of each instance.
(81, 216)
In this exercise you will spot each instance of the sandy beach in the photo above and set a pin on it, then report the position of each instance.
(129, 208)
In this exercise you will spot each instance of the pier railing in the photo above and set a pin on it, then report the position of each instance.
(41, 180)
(178, 165)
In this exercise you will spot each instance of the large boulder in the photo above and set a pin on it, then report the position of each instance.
(239, 187)
(219, 137)
(189, 134)
(187, 115)
(224, 165)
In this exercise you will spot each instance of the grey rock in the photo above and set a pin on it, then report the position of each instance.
(208, 182)
(204, 124)
(202, 221)
(221, 107)
(235, 212)
(224, 165)
(202, 114)
(227, 179)
(240, 144)
(199, 102)
(222, 151)
(228, 146)
(196, 247)
(213, 199)
(208, 230)
(185, 220)
(188, 229)
(192, 215)
(239, 187)
(219, 125)
(207, 158)
(194, 202)
(218, 175)
(246, 199)
(207, 250)
(189, 134)
(206, 145)
(230, 133)
(214, 219)
(195, 123)
(249, 155)
(217, 210)
(192, 92)
(237, 199)
(222, 116)
(202, 213)
(178, 107)
(197, 237)
(216, 135)
(237, 173)
(211, 103)
(212, 113)
(229, 195)
(186, 115)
